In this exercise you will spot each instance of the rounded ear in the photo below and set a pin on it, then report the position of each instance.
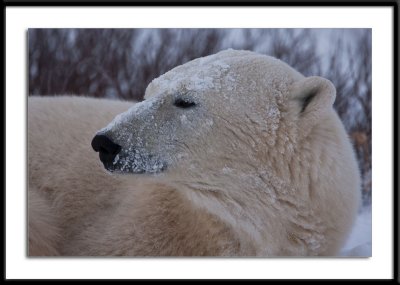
(312, 97)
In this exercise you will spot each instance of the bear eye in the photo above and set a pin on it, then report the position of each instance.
(184, 103)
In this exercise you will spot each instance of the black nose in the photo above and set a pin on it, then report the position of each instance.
(107, 148)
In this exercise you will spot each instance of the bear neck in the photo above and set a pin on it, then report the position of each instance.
(249, 204)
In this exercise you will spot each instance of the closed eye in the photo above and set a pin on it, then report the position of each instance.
(184, 103)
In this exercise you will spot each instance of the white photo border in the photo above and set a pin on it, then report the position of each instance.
(19, 19)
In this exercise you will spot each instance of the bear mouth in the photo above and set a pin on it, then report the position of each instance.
(135, 163)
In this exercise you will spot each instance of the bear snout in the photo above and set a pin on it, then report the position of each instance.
(107, 149)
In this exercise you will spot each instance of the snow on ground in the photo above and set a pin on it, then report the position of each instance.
(359, 242)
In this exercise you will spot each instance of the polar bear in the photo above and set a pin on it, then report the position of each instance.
(233, 154)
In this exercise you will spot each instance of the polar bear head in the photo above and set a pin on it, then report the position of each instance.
(250, 139)
(229, 111)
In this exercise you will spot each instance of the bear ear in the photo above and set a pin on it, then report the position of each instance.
(312, 97)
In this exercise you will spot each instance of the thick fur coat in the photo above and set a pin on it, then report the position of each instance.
(234, 154)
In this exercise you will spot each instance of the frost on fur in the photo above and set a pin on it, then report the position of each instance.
(233, 154)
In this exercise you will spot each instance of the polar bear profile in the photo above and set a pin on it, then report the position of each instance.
(233, 154)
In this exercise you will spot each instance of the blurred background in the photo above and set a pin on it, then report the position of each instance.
(120, 63)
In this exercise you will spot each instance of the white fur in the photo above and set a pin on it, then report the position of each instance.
(251, 170)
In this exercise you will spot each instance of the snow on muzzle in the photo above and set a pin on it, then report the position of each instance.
(118, 159)
(121, 144)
